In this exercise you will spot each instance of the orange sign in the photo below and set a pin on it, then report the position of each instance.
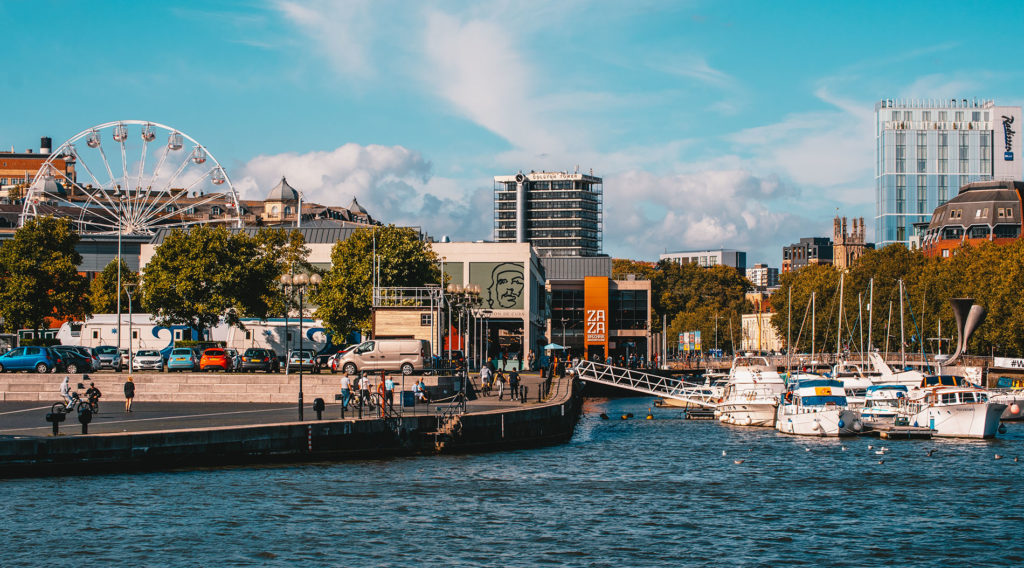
(595, 308)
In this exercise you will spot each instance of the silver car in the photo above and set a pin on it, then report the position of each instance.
(148, 360)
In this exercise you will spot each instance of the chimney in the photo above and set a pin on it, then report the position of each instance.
(45, 145)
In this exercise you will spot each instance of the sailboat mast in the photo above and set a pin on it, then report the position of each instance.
(888, 326)
(871, 308)
(839, 325)
(789, 330)
(813, 336)
(860, 321)
(903, 343)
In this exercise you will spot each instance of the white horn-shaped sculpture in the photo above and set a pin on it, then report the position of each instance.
(968, 317)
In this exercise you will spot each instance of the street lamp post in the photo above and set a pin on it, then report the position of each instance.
(120, 229)
(564, 321)
(128, 290)
(299, 282)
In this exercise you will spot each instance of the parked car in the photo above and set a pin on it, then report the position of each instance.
(323, 358)
(110, 357)
(30, 358)
(182, 359)
(75, 359)
(304, 360)
(215, 358)
(236, 358)
(148, 360)
(332, 361)
(405, 355)
(258, 359)
(126, 357)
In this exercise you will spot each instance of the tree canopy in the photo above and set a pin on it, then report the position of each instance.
(198, 276)
(345, 298)
(698, 298)
(991, 274)
(103, 289)
(39, 275)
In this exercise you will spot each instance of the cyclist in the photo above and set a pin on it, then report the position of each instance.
(65, 390)
(93, 394)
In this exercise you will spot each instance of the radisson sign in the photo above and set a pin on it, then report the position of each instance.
(1008, 133)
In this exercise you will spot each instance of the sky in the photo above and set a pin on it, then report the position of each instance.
(714, 124)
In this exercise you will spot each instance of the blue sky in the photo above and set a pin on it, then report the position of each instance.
(714, 124)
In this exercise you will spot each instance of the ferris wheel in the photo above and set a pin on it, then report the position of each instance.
(132, 177)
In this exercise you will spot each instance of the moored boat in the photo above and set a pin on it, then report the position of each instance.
(953, 409)
(882, 402)
(751, 394)
(817, 407)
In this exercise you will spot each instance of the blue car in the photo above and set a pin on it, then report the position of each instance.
(38, 359)
(182, 359)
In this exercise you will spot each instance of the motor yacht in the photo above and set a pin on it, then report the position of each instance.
(952, 408)
(751, 393)
(816, 407)
(882, 402)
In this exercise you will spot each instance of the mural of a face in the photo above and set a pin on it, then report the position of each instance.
(506, 286)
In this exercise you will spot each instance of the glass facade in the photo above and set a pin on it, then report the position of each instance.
(922, 160)
(563, 216)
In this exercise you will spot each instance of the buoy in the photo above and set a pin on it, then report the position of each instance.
(748, 421)
(858, 425)
(650, 414)
(625, 417)
(629, 414)
(1015, 408)
(1002, 428)
(999, 457)
(841, 423)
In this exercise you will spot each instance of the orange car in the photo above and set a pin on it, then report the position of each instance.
(215, 358)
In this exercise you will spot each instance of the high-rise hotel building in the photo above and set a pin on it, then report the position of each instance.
(559, 213)
(927, 150)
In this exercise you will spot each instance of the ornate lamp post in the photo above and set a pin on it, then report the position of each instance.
(299, 282)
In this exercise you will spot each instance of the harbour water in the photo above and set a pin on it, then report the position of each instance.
(622, 493)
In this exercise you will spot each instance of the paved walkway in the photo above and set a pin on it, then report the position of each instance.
(28, 418)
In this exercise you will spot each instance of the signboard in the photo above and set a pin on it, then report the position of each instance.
(696, 341)
(682, 341)
(595, 311)
(1008, 363)
(502, 284)
(1006, 123)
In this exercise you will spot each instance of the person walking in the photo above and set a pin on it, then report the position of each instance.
(500, 379)
(364, 390)
(346, 390)
(485, 380)
(532, 359)
(513, 384)
(389, 389)
(129, 393)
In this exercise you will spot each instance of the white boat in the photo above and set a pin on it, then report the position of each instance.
(887, 376)
(816, 407)
(882, 403)
(712, 388)
(1009, 391)
(953, 409)
(751, 393)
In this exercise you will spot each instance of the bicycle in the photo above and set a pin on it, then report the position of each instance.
(76, 405)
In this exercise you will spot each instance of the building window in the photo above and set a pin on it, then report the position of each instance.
(922, 152)
(943, 190)
(1009, 213)
(901, 229)
(1000, 213)
(964, 155)
(926, 115)
(908, 115)
(922, 194)
(95, 334)
(958, 116)
(901, 152)
(895, 115)
(426, 319)
(976, 116)
(943, 152)
(945, 253)
(248, 334)
(901, 193)
(978, 232)
(986, 153)
(943, 115)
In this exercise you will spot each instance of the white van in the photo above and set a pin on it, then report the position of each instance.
(405, 355)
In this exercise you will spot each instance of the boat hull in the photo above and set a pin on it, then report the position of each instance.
(752, 413)
(971, 420)
(819, 423)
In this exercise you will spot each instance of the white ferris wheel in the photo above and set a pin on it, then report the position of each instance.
(132, 177)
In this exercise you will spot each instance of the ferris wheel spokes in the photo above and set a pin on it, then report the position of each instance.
(167, 189)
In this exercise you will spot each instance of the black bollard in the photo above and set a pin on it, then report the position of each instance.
(318, 407)
(522, 394)
(85, 417)
(55, 418)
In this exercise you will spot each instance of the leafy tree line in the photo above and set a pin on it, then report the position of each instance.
(205, 275)
(991, 274)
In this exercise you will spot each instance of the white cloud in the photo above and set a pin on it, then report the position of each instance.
(341, 30)
(645, 213)
(393, 183)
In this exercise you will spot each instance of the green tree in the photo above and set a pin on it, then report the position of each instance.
(102, 290)
(697, 298)
(621, 267)
(199, 276)
(39, 275)
(345, 298)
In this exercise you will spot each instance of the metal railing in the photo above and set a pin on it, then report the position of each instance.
(647, 383)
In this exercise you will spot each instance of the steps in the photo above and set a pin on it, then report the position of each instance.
(177, 387)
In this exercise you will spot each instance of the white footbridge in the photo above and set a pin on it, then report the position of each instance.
(647, 383)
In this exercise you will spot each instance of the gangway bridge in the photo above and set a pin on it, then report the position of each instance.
(648, 383)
